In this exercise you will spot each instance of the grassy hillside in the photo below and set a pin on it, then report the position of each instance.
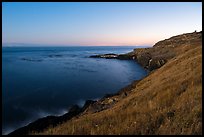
(167, 101)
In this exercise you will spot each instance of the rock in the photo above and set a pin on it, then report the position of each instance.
(125, 57)
(113, 56)
(87, 104)
(143, 58)
(107, 56)
(156, 63)
(110, 101)
(74, 108)
(36, 126)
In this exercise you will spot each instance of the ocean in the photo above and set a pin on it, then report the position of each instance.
(42, 81)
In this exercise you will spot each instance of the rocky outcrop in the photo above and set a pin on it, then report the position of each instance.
(113, 56)
(162, 51)
(156, 56)
(106, 56)
(126, 57)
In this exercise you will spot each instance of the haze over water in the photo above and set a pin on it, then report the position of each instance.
(41, 81)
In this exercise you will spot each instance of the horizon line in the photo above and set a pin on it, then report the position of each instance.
(62, 45)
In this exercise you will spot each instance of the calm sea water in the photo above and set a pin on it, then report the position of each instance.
(41, 81)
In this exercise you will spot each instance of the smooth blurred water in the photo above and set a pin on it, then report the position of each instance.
(41, 81)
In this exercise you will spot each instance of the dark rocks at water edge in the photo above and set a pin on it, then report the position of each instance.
(107, 56)
(112, 56)
(90, 106)
(43, 123)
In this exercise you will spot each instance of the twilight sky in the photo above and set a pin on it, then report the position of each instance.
(99, 23)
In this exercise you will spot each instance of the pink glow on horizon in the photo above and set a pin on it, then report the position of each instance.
(148, 39)
(125, 41)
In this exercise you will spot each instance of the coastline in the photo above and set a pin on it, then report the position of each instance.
(148, 58)
(58, 108)
(51, 120)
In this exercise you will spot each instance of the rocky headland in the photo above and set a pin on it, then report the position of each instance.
(164, 50)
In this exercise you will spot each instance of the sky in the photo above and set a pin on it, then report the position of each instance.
(97, 23)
